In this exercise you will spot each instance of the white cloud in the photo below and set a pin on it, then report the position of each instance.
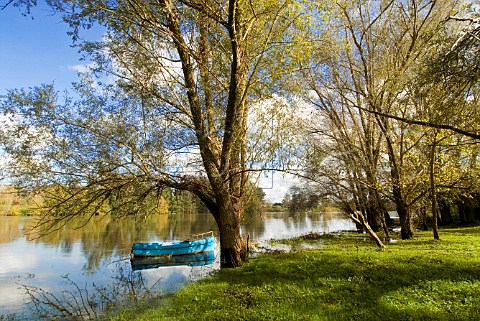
(276, 185)
(82, 68)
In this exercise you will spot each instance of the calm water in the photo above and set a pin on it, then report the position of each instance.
(82, 263)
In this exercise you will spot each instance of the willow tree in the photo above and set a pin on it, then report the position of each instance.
(369, 76)
(174, 83)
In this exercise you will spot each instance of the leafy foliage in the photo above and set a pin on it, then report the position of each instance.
(392, 62)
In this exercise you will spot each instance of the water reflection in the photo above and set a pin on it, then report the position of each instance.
(285, 225)
(109, 236)
(98, 252)
(11, 228)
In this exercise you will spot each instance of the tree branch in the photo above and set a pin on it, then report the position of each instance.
(424, 123)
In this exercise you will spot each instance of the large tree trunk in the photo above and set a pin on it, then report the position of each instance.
(398, 195)
(223, 155)
(228, 213)
(406, 221)
(233, 250)
(374, 218)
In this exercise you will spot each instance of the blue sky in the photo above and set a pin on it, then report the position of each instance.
(35, 51)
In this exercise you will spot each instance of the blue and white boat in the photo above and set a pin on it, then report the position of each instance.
(198, 259)
(202, 243)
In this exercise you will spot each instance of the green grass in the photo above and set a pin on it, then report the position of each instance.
(347, 278)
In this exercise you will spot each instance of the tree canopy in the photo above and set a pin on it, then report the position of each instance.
(397, 86)
(166, 104)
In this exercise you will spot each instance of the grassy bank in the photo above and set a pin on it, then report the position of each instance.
(346, 278)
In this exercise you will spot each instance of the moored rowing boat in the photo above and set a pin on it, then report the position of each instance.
(150, 250)
(198, 259)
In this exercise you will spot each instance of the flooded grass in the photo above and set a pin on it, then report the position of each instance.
(346, 278)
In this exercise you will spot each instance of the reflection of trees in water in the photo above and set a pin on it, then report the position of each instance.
(101, 237)
(295, 220)
(9, 230)
(80, 302)
(182, 225)
(321, 221)
(254, 223)
(299, 217)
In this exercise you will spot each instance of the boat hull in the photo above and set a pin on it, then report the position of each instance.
(199, 259)
(149, 250)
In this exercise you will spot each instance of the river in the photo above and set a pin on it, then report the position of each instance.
(90, 266)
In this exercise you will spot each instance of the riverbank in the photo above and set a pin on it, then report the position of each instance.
(344, 278)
